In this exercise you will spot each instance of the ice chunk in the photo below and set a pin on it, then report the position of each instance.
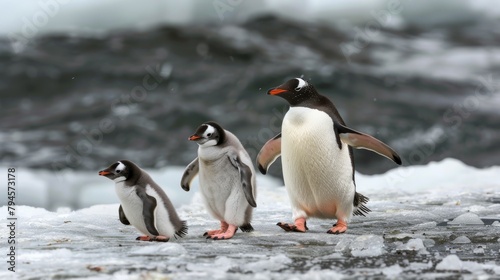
(367, 246)
(467, 219)
(429, 243)
(472, 266)
(451, 262)
(415, 244)
(343, 244)
(479, 251)
(461, 240)
(392, 271)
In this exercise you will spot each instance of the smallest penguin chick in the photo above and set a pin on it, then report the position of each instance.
(144, 204)
(227, 179)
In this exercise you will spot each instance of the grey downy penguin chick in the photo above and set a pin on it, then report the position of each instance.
(144, 204)
(316, 150)
(227, 179)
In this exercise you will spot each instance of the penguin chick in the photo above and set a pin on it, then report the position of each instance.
(316, 150)
(144, 204)
(227, 179)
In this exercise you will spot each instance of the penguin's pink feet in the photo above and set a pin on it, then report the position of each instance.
(223, 228)
(299, 225)
(231, 230)
(339, 227)
(159, 238)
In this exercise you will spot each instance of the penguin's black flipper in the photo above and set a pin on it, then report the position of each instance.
(122, 216)
(247, 228)
(360, 140)
(189, 173)
(269, 153)
(246, 178)
(148, 210)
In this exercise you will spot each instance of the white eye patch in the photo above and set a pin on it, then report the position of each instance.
(210, 130)
(301, 84)
(120, 167)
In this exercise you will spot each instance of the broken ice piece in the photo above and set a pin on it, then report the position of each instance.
(467, 219)
(461, 240)
(479, 251)
(451, 262)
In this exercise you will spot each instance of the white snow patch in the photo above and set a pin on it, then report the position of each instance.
(63, 243)
(274, 263)
(166, 249)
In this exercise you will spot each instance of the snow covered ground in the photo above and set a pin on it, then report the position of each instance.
(438, 220)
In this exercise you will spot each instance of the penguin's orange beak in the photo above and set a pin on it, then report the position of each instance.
(104, 173)
(276, 91)
(194, 137)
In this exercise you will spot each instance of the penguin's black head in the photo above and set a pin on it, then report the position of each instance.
(295, 91)
(119, 171)
(209, 134)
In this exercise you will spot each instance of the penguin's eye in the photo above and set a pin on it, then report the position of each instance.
(118, 171)
(298, 88)
(210, 134)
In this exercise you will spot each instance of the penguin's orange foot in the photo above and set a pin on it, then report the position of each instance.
(300, 225)
(143, 238)
(160, 238)
(214, 232)
(223, 229)
(231, 230)
(339, 227)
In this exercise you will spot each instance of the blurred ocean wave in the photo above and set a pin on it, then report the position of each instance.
(80, 100)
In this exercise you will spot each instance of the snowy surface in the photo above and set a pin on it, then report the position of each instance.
(400, 238)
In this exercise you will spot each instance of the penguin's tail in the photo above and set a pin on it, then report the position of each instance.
(359, 205)
(183, 230)
(246, 228)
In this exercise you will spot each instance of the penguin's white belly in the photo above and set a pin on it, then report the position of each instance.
(132, 207)
(220, 186)
(317, 174)
(219, 182)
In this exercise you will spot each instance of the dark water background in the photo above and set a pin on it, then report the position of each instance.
(82, 102)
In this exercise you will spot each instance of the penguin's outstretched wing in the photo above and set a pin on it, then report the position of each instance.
(360, 140)
(148, 210)
(122, 216)
(246, 178)
(269, 153)
(190, 172)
